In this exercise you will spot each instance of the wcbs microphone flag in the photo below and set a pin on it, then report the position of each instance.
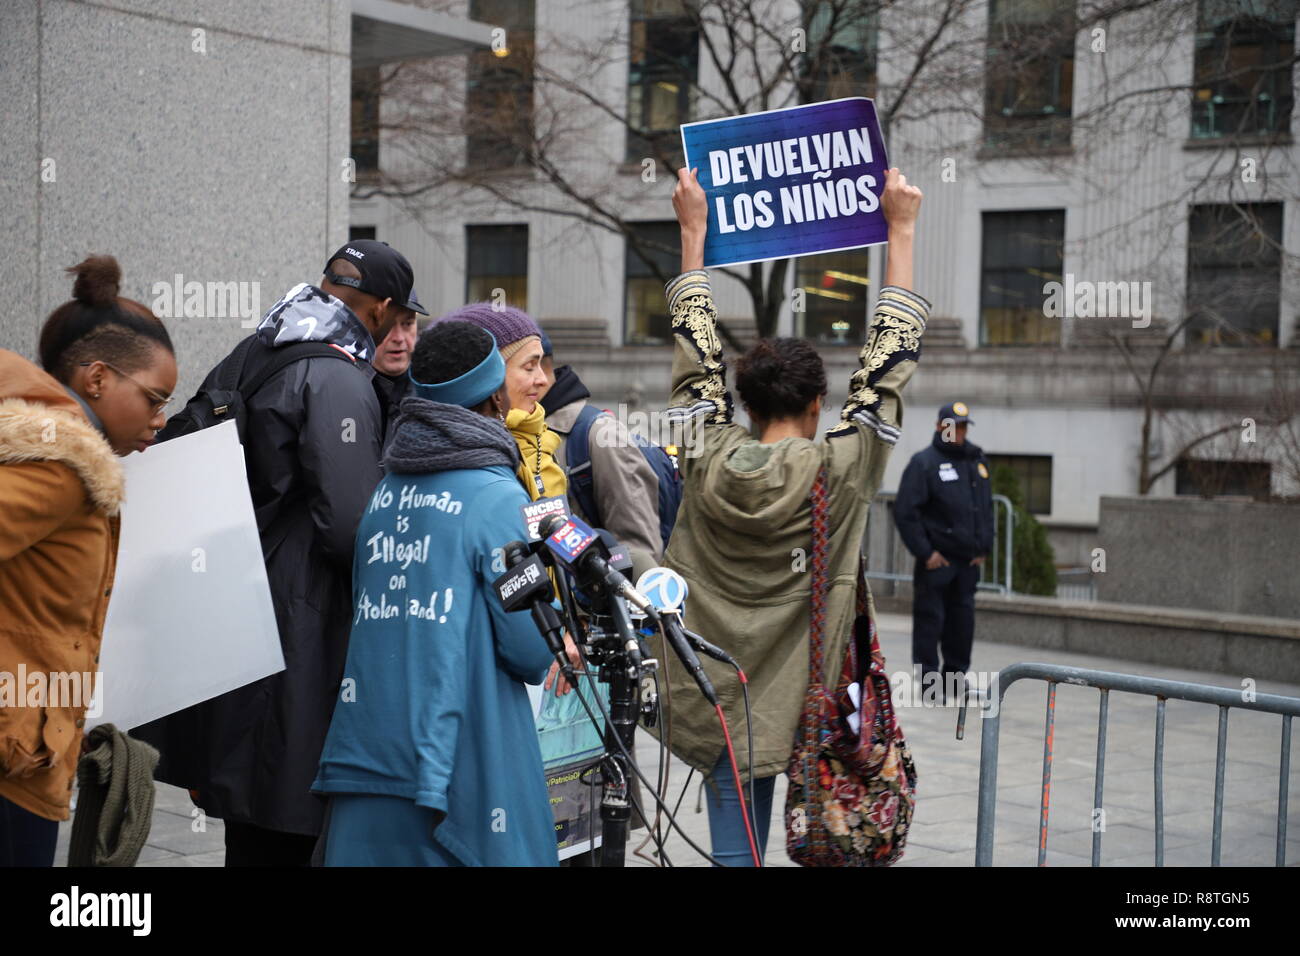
(790, 182)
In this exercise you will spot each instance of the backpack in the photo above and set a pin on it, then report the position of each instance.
(582, 482)
(238, 376)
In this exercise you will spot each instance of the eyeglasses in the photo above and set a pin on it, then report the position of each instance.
(159, 401)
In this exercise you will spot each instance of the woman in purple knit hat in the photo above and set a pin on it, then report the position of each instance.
(520, 343)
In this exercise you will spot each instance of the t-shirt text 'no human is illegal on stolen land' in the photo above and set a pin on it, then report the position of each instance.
(790, 182)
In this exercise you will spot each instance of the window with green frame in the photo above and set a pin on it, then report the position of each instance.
(499, 96)
(496, 257)
(840, 59)
(1209, 478)
(645, 317)
(1034, 473)
(1021, 252)
(1234, 273)
(1242, 68)
(663, 70)
(1029, 74)
(834, 288)
(366, 85)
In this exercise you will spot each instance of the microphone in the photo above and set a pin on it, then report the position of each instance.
(577, 548)
(669, 589)
(525, 585)
(620, 559)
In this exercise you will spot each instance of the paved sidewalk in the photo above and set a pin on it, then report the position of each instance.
(943, 830)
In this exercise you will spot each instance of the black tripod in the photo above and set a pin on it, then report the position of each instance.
(612, 645)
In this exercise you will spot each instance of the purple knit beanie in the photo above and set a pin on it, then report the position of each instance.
(511, 327)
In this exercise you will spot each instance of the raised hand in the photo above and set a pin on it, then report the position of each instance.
(900, 202)
(692, 208)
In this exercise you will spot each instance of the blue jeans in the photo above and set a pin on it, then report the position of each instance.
(726, 825)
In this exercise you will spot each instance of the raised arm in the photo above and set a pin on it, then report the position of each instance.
(874, 409)
(699, 374)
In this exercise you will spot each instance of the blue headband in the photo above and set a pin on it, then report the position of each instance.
(468, 390)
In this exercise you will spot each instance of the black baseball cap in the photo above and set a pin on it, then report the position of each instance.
(957, 411)
(385, 273)
(413, 303)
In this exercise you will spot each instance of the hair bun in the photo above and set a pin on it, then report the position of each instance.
(98, 280)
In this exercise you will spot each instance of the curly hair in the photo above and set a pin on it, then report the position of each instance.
(447, 350)
(777, 378)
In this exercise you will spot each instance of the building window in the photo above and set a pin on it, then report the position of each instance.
(663, 69)
(1210, 478)
(361, 232)
(840, 59)
(653, 257)
(1234, 274)
(366, 85)
(496, 265)
(1022, 251)
(1029, 74)
(1244, 53)
(499, 98)
(1034, 474)
(835, 287)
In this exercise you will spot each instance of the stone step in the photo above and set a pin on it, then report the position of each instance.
(943, 332)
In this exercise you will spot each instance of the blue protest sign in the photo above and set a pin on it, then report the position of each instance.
(790, 182)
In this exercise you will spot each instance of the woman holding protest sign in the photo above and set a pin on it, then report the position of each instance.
(769, 537)
(109, 371)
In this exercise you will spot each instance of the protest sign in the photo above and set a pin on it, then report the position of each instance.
(790, 182)
(191, 614)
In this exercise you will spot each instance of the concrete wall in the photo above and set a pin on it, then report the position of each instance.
(221, 164)
(1244, 646)
(1218, 555)
(1241, 645)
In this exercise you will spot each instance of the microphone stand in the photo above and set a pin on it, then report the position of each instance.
(624, 691)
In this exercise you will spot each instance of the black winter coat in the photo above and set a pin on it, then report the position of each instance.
(945, 502)
(312, 448)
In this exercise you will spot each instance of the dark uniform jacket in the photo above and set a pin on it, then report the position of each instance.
(945, 502)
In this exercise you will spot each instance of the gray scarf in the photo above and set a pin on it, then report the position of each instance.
(432, 436)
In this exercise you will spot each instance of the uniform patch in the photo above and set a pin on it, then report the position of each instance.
(984, 472)
(959, 408)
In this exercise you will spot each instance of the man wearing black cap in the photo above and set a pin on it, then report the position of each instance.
(944, 512)
(312, 442)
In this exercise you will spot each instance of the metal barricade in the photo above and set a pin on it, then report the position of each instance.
(1002, 543)
(1106, 681)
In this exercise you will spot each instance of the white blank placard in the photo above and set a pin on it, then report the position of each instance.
(190, 616)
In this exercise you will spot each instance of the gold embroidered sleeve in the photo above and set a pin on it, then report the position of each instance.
(699, 374)
(888, 360)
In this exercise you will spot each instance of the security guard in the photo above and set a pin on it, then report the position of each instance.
(944, 512)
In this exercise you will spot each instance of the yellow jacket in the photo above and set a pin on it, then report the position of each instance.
(537, 445)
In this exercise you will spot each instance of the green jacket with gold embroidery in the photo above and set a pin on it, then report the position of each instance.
(744, 531)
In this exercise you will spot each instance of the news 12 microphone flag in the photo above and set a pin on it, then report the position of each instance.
(790, 182)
